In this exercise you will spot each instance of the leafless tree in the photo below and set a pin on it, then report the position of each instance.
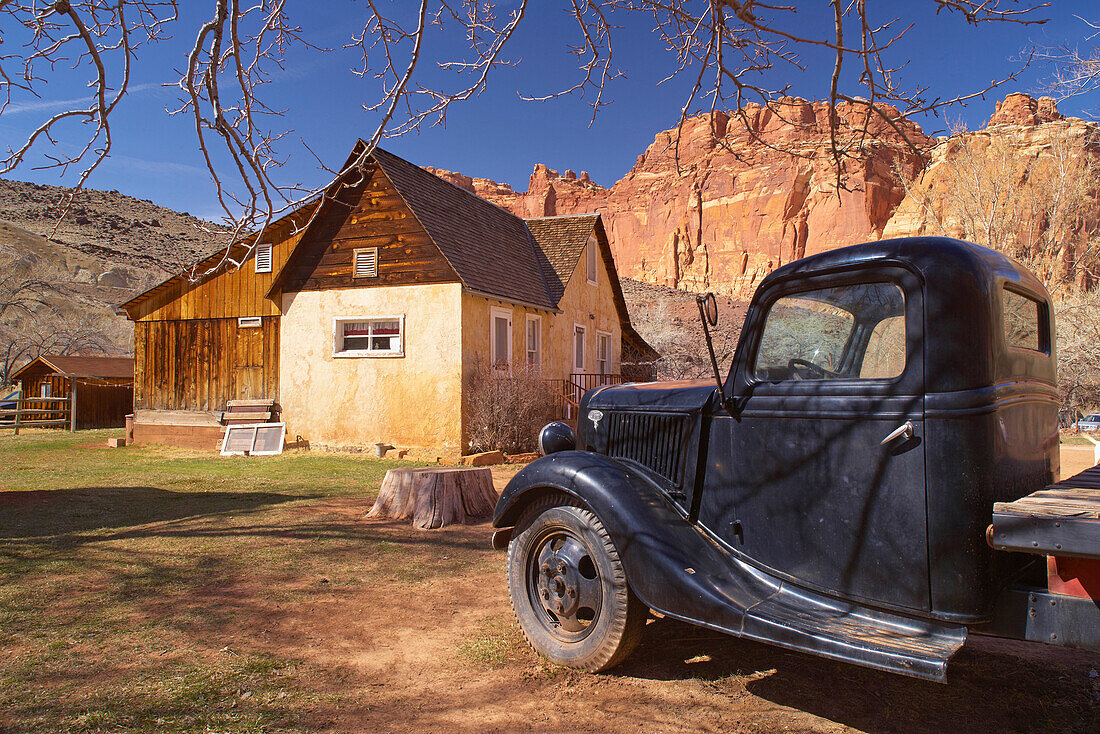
(1076, 67)
(1078, 334)
(729, 49)
(1034, 199)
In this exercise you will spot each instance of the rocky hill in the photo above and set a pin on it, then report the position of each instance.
(731, 209)
(66, 283)
(111, 239)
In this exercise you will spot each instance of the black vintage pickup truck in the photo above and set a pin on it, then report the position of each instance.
(871, 481)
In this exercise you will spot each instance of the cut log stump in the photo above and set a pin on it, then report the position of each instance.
(436, 496)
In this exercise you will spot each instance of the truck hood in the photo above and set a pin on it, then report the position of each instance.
(684, 396)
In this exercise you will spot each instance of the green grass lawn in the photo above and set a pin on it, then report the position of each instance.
(122, 574)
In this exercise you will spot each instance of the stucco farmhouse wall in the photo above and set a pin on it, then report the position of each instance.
(411, 400)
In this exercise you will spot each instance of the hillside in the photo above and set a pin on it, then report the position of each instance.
(61, 288)
(127, 243)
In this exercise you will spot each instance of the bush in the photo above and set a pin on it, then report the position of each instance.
(505, 411)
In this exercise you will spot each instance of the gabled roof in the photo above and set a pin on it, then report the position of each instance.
(493, 252)
(562, 239)
(489, 247)
(78, 366)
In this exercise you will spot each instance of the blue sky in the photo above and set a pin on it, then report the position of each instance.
(497, 135)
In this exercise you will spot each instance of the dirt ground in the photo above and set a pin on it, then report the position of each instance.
(300, 612)
(395, 650)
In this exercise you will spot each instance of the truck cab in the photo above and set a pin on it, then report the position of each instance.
(831, 493)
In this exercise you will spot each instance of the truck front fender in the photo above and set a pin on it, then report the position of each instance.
(676, 569)
(670, 565)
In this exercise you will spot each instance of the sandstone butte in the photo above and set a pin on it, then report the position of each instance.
(732, 208)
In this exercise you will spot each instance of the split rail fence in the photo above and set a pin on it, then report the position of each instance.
(38, 412)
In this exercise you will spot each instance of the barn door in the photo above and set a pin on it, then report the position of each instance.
(248, 373)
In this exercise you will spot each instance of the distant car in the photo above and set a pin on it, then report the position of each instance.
(7, 402)
(1090, 422)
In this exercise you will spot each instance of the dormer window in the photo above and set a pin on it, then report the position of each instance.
(263, 258)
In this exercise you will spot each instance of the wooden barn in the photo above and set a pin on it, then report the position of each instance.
(365, 317)
(103, 387)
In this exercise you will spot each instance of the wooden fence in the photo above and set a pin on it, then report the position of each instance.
(32, 412)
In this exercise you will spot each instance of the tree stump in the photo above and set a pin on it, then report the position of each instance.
(436, 496)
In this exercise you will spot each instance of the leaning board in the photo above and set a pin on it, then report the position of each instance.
(1061, 520)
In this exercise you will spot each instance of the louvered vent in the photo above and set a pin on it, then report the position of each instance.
(366, 262)
(263, 258)
(653, 439)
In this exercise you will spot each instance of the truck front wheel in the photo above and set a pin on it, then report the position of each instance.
(569, 590)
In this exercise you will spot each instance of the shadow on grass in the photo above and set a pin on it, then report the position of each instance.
(45, 513)
(993, 685)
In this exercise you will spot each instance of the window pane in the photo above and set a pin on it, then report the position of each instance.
(1022, 321)
(578, 348)
(356, 343)
(383, 343)
(385, 327)
(885, 355)
(500, 339)
(356, 328)
(830, 334)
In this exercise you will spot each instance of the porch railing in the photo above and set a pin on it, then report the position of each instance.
(568, 392)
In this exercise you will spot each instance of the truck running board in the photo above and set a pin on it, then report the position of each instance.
(684, 574)
(806, 621)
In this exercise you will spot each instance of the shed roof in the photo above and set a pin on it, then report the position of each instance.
(81, 366)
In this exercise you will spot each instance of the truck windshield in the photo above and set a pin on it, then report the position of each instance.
(853, 331)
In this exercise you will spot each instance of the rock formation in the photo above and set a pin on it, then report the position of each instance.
(729, 205)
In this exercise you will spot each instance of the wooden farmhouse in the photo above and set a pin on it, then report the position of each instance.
(103, 387)
(365, 316)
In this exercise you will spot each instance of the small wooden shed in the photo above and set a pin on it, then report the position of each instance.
(103, 386)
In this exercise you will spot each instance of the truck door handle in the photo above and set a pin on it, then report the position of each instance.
(905, 430)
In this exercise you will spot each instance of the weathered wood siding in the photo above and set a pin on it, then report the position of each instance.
(372, 214)
(230, 292)
(201, 364)
(102, 405)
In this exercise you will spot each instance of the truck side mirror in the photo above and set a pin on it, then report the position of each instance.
(708, 314)
(710, 309)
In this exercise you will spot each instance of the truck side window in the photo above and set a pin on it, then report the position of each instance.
(847, 332)
(1023, 321)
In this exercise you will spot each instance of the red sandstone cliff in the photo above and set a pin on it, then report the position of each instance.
(732, 209)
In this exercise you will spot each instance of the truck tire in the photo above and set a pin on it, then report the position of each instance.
(569, 590)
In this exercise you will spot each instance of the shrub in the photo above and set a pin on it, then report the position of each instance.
(506, 411)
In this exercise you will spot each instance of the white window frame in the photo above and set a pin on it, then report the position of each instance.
(252, 430)
(580, 369)
(535, 319)
(591, 260)
(264, 249)
(610, 352)
(371, 253)
(338, 338)
(249, 322)
(45, 390)
(496, 312)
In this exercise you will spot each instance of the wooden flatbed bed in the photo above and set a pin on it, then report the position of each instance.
(1060, 520)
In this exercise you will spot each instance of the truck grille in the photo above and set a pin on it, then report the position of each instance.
(654, 440)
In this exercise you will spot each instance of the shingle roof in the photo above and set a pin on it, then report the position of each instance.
(77, 366)
(487, 246)
(562, 239)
